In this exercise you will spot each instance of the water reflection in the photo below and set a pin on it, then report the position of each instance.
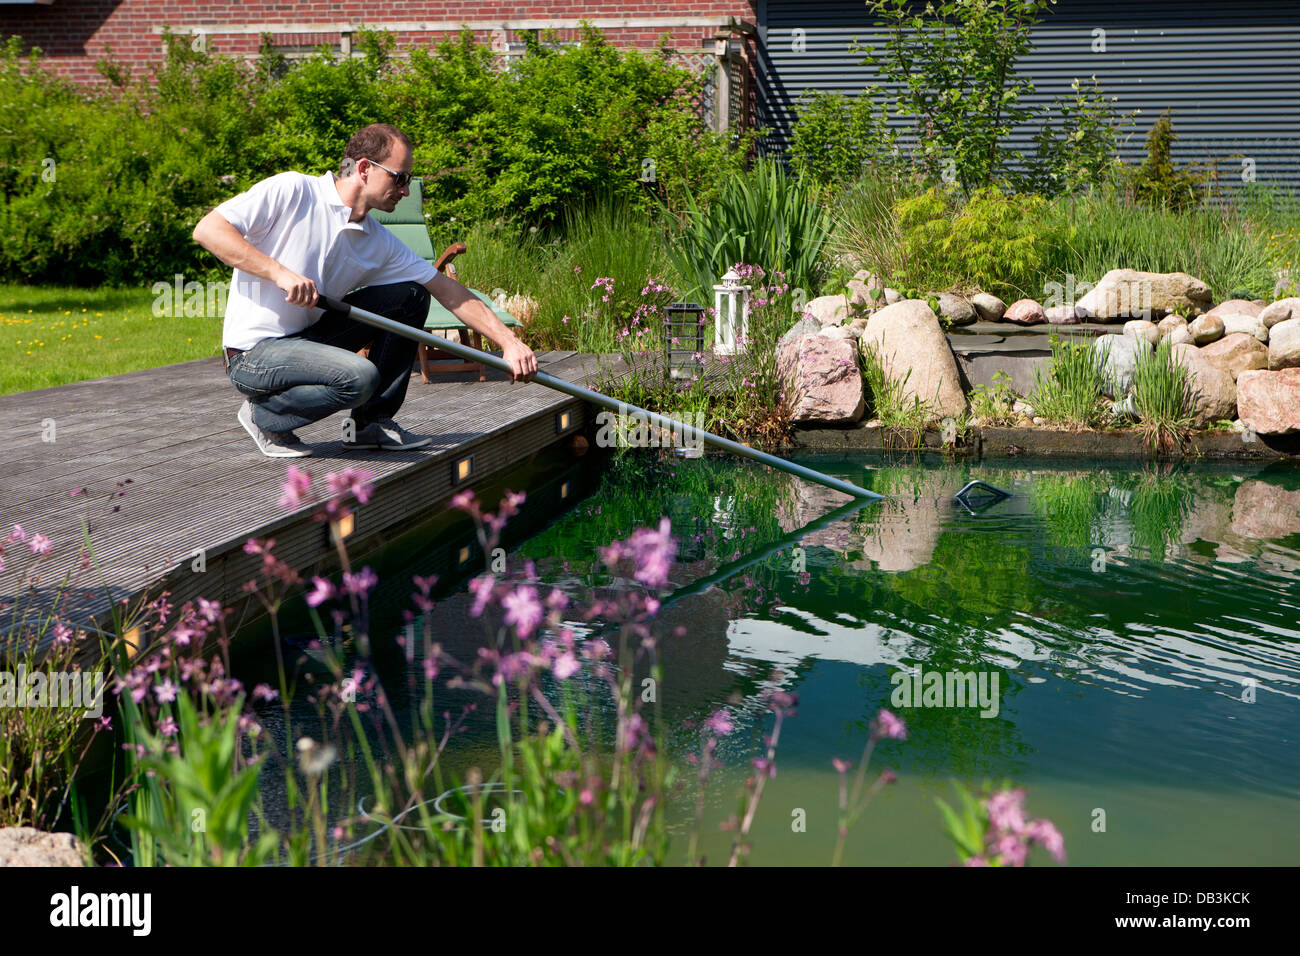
(1141, 626)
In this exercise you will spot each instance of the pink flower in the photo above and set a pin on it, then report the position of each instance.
(296, 488)
(62, 633)
(889, 727)
(719, 722)
(265, 692)
(523, 610)
(586, 798)
(324, 591)
(360, 583)
(356, 481)
(210, 611)
(481, 587)
(1013, 850)
(841, 766)
(1006, 810)
(565, 666)
(165, 692)
(39, 544)
(168, 727)
(1047, 836)
(18, 534)
(557, 600)
(465, 501)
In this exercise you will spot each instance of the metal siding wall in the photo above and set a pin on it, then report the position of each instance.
(1230, 71)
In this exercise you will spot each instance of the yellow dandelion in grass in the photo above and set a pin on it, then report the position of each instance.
(99, 313)
(99, 336)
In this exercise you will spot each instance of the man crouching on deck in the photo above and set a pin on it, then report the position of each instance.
(307, 236)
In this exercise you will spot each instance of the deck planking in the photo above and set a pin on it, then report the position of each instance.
(198, 485)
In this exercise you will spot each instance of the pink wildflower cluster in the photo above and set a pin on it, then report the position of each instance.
(344, 487)
(1010, 836)
(650, 552)
(606, 283)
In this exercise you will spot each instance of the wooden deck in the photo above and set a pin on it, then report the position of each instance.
(198, 488)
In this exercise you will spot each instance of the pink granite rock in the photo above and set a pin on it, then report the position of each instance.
(1269, 402)
(1024, 312)
(822, 381)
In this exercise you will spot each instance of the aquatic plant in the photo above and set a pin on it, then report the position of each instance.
(1070, 394)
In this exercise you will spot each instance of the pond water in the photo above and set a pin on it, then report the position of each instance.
(1135, 632)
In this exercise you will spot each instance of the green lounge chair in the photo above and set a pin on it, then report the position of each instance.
(406, 221)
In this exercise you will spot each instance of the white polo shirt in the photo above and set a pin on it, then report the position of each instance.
(301, 222)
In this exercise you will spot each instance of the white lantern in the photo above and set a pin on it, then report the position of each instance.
(731, 308)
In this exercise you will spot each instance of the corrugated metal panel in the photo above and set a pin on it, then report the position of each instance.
(1229, 70)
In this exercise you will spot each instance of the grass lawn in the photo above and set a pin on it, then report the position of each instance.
(52, 335)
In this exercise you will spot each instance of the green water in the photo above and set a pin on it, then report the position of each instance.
(1129, 617)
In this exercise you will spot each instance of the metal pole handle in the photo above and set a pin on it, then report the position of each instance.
(595, 398)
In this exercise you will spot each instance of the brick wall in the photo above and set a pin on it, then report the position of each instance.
(75, 33)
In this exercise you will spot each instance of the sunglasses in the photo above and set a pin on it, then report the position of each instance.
(399, 179)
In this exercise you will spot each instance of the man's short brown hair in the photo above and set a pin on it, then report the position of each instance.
(374, 142)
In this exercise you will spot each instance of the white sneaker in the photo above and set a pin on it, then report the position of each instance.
(386, 434)
(271, 444)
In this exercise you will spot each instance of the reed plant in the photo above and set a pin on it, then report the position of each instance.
(764, 216)
(1070, 393)
(1162, 395)
(904, 417)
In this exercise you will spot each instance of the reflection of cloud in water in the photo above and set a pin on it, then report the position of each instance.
(865, 644)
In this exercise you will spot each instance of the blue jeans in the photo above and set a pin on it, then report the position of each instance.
(298, 379)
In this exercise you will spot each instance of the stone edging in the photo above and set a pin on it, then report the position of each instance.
(990, 442)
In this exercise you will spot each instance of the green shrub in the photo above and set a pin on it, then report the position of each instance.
(1081, 148)
(953, 77)
(1158, 182)
(106, 185)
(1071, 392)
(835, 137)
(996, 242)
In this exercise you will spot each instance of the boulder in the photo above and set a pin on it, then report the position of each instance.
(829, 309)
(1181, 336)
(1237, 353)
(1117, 357)
(1240, 322)
(909, 342)
(1284, 345)
(1212, 387)
(1269, 402)
(1280, 311)
(869, 280)
(1024, 312)
(1169, 323)
(27, 846)
(1142, 329)
(1206, 329)
(1261, 510)
(1129, 294)
(846, 332)
(805, 326)
(1236, 307)
(1062, 315)
(955, 309)
(892, 296)
(821, 378)
(859, 294)
(988, 307)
